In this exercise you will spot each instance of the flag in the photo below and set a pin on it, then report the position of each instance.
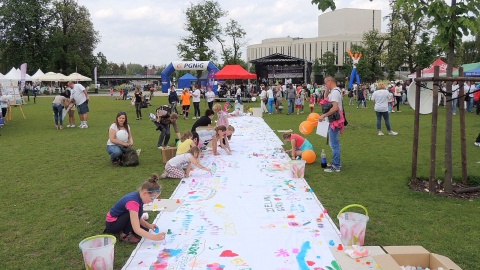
(23, 74)
(95, 76)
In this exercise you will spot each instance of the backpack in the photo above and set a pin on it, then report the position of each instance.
(130, 157)
(476, 95)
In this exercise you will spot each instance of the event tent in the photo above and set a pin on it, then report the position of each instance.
(77, 77)
(467, 67)
(428, 72)
(234, 72)
(15, 75)
(53, 77)
(37, 75)
(186, 80)
(473, 73)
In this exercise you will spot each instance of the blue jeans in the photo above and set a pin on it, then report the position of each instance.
(335, 146)
(291, 105)
(57, 113)
(115, 151)
(386, 116)
(239, 99)
(454, 106)
(270, 105)
(470, 105)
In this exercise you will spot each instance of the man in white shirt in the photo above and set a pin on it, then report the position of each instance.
(469, 88)
(334, 96)
(79, 96)
(238, 94)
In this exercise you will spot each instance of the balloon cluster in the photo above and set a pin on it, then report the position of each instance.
(306, 127)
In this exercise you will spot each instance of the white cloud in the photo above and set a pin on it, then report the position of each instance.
(147, 31)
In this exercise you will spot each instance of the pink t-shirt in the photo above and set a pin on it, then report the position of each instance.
(222, 119)
(130, 205)
(298, 140)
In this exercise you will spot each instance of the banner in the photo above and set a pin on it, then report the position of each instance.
(190, 65)
(95, 76)
(23, 74)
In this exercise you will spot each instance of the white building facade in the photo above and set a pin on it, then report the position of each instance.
(337, 31)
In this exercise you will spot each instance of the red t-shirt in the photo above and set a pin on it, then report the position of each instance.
(298, 140)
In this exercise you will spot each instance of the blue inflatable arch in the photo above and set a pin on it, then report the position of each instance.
(189, 65)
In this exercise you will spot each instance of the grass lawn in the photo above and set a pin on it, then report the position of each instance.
(57, 185)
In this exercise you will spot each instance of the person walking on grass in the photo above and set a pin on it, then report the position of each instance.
(291, 94)
(381, 98)
(196, 103)
(138, 96)
(79, 96)
(125, 217)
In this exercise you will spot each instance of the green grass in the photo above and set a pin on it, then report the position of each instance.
(57, 185)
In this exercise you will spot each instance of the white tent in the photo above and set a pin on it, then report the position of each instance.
(15, 75)
(53, 77)
(77, 77)
(37, 75)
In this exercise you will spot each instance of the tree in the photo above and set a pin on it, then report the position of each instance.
(231, 54)
(426, 52)
(203, 26)
(133, 69)
(369, 66)
(74, 38)
(327, 63)
(24, 28)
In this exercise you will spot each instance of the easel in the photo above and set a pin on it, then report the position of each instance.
(9, 110)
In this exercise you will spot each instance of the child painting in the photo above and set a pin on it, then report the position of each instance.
(175, 166)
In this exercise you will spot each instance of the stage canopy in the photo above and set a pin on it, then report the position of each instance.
(279, 66)
(234, 72)
(473, 73)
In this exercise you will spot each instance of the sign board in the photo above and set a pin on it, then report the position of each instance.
(190, 65)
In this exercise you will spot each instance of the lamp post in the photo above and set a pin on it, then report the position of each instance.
(95, 75)
(146, 74)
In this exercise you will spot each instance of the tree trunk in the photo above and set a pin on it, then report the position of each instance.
(448, 126)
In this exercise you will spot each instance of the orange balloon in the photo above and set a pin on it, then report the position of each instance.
(313, 117)
(306, 127)
(309, 156)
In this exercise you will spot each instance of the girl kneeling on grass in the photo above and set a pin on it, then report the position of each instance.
(219, 137)
(174, 167)
(299, 144)
(124, 218)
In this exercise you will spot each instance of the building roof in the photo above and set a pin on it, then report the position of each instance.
(278, 59)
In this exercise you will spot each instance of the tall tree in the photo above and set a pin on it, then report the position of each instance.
(425, 53)
(235, 33)
(369, 66)
(74, 38)
(327, 63)
(25, 25)
(203, 26)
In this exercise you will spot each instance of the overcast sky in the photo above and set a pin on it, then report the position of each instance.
(147, 31)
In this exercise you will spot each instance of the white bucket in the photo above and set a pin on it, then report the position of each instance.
(98, 251)
(297, 168)
(257, 112)
(353, 226)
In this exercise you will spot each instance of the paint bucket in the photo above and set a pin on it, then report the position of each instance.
(98, 251)
(257, 112)
(297, 168)
(353, 226)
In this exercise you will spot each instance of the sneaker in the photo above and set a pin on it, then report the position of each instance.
(332, 169)
(393, 133)
(194, 117)
(72, 126)
(81, 126)
(85, 126)
(380, 133)
(477, 144)
(160, 147)
(130, 238)
(164, 174)
(68, 126)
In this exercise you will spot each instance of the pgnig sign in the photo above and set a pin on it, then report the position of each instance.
(190, 65)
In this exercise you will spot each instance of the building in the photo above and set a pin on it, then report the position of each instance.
(337, 31)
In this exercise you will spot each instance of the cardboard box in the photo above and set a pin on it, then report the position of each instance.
(414, 256)
(365, 263)
(168, 153)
